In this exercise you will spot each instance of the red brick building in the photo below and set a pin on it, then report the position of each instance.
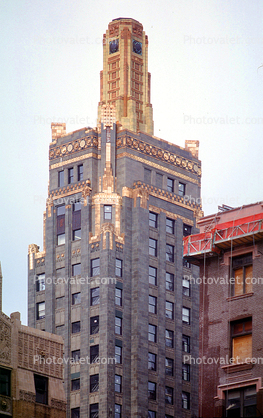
(229, 251)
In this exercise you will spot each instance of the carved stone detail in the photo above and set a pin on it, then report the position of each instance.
(55, 403)
(5, 404)
(5, 342)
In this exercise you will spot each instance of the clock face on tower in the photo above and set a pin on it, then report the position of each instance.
(114, 46)
(137, 47)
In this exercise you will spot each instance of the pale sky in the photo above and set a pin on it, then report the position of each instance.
(206, 61)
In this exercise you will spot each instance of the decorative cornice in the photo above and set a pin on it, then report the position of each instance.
(171, 215)
(83, 187)
(90, 141)
(75, 160)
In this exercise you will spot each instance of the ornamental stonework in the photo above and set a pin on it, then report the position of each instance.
(81, 144)
(5, 342)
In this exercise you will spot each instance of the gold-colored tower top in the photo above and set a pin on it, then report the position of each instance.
(125, 82)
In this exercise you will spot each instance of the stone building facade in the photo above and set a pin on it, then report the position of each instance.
(109, 277)
(229, 251)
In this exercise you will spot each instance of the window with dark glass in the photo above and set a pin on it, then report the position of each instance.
(181, 189)
(241, 402)
(75, 384)
(185, 400)
(186, 264)
(168, 416)
(117, 411)
(170, 185)
(118, 267)
(76, 269)
(40, 282)
(186, 287)
(94, 353)
(118, 296)
(151, 361)
(94, 324)
(95, 296)
(242, 272)
(75, 327)
(75, 413)
(169, 395)
(60, 224)
(186, 372)
(152, 333)
(170, 253)
(70, 175)
(169, 281)
(169, 338)
(152, 391)
(60, 178)
(170, 226)
(41, 388)
(117, 383)
(186, 315)
(151, 414)
(5, 382)
(76, 221)
(152, 304)
(41, 310)
(118, 325)
(95, 267)
(153, 247)
(153, 219)
(94, 410)
(241, 339)
(108, 212)
(147, 176)
(186, 344)
(94, 383)
(187, 230)
(80, 172)
(75, 354)
(153, 275)
(169, 310)
(76, 298)
(169, 367)
(118, 354)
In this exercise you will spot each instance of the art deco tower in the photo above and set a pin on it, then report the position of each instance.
(109, 279)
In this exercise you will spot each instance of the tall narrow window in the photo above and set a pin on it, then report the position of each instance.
(118, 325)
(170, 253)
(76, 298)
(75, 354)
(41, 387)
(152, 333)
(41, 310)
(169, 310)
(153, 219)
(152, 391)
(94, 410)
(107, 212)
(152, 304)
(170, 185)
(169, 338)
(186, 344)
(94, 353)
(170, 226)
(186, 287)
(118, 267)
(118, 354)
(117, 411)
(117, 383)
(76, 221)
(151, 361)
(169, 367)
(80, 172)
(242, 272)
(5, 382)
(118, 296)
(169, 395)
(185, 400)
(186, 315)
(70, 175)
(169, 281)
(76, 269)
(95, 267)
(94, 383)
(241, 336)
(75, 384)
(95, 296)
(61, 225)
(181, 189)
(187, 230)
(186, 372)
(75, 327)
(153, 275)
(94, 324)
(75, 413)
(40, 282)
(60, 178)
(153, 247)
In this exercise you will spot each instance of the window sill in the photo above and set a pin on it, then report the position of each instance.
(245, 295)
(233, 368)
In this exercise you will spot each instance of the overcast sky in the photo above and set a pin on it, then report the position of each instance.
(206, 61)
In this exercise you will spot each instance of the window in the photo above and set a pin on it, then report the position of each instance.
(41, 310)
(186, 344)
(76, 206)
(118, 296)
(170, 185)
(186, 287)
(152, 304)
(40, 282)
(75, 413)
(170, 226)
(76, 221)
(60, 210)
(147, 176)
(75, 355)
(80, 172)
(186, 372)
(241, 402)
(169, 398)
(186, 315)
(242, 272)
(151, 361)
(159, 180)
(153, 219)
(153, 275)
(107, 212)
(60, 225)
(185, 400)
(151, 414)
(5, 382)
(41, 387)
(169, 310)
(76, 298)
(153, 247)
(117, 383)
(187, 230)
(168, 416)
(169, 281)
(95, 267)
(169, 338)
(170, 253)
(118, 354)
(94, 324)
(95, 296)
(152, 391)
(118, 325)
(118, 267)
(76, 234)
(94, 383)
(75, 327)
(181, 189)
(70, 175)
(94, 410)
(94, 353)
(186, 264)
(169, 367)
(75, 384)
(241, 336)
(60, 178)
(76, 269)
(60, 239)
(152, 333)
(117, 411)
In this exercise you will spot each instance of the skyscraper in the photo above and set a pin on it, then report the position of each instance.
(110, 276)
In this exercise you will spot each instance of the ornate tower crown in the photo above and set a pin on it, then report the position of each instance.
(125, 81)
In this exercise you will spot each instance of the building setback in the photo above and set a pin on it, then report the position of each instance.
(119, 202)
(229, 251)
